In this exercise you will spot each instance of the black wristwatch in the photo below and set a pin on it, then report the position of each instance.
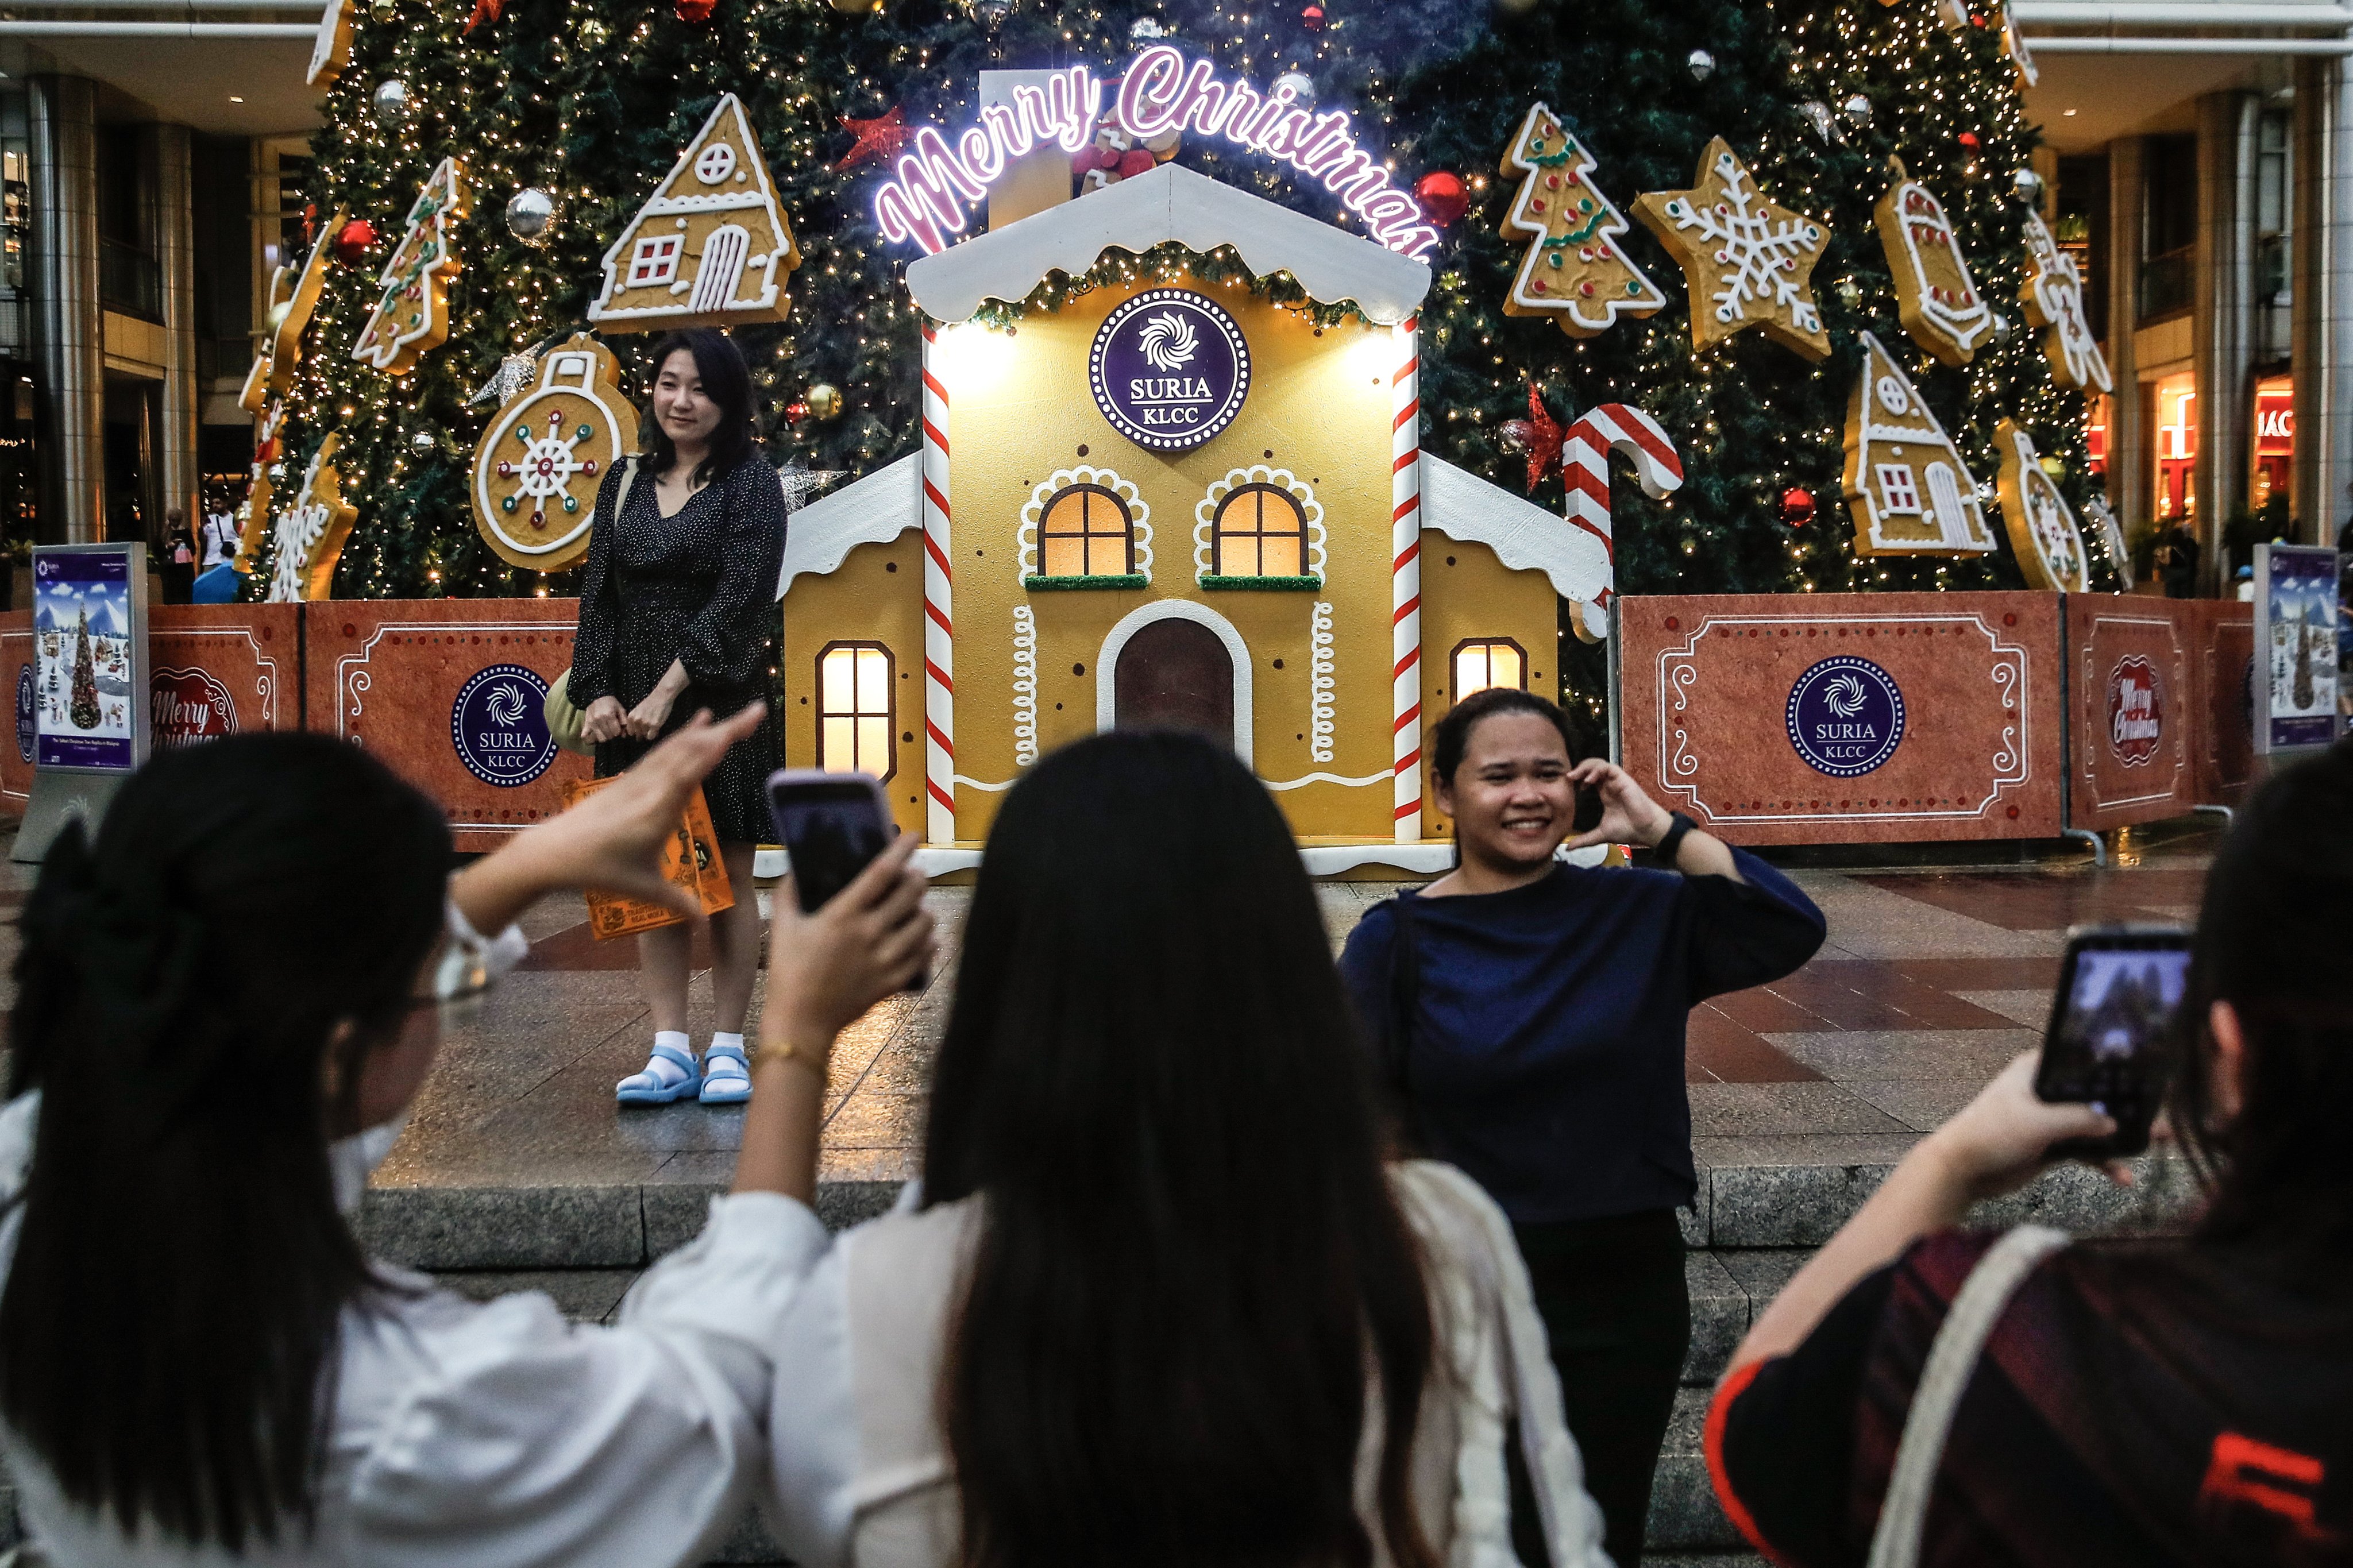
(1668, 847)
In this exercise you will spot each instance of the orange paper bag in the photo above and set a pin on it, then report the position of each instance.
(690, 860)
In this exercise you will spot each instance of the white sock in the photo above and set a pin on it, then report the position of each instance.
(726, 1042)
(662, 1068)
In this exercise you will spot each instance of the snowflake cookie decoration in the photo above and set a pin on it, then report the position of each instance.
(310, 533)
(412, 314)
(2041, 525)
(1748, 263)
(1907, 489)
(1935, 298)
(2053, 297)
(538, 467)
(1575, 271)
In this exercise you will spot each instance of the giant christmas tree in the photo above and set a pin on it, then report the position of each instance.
(591, 100)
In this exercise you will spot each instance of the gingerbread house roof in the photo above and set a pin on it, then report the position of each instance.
(1170, 204)
(875, 510)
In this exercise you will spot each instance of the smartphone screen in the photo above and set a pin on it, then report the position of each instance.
(831, 825)
(2111, 1031)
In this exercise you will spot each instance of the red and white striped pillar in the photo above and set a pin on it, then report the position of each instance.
(939, 624)
(1405, 579)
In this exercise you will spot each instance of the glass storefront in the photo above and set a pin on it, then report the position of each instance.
(2274, 441)
(2177, 448)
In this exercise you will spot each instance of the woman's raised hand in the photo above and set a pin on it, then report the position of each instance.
(827, 968)
(2002, 1139)
(606, 720)
(1628, 816)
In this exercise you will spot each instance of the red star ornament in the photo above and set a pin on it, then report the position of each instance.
(1545, 438)
(484, 11)
(878, 138)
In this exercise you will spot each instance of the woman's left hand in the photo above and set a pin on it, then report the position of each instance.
(647, 718)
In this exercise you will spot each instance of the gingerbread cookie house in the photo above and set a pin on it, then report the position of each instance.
(1172, 501)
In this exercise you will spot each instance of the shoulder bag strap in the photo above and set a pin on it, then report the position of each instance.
(628, 478)
(1952, 1359)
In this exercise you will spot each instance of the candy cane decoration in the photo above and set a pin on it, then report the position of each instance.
(1405, 580)
(939, 625)
(1584, 469)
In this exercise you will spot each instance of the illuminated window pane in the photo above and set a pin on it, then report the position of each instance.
(1279, 557)
(873, 743)
(837, 676)
(873, 681)
(1479, 664)
(840, 745)
(854, 718)
(1262, 531)
(1084, 532)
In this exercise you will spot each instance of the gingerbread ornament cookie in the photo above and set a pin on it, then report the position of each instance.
(1748, 263)
(710, 248)
(2041, 526)
(2053, 297)
(311, 532)
(539, 464)
(332, 50)
(1575, 271)
(412, 315)
(294, 294)
(253, 513)
(1936, 297)
(1907, 489)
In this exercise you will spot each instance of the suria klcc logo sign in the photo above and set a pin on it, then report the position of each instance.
(498, 726)
(1169, 369)
(1845, 717)
(2136, 710)
(1161, 91)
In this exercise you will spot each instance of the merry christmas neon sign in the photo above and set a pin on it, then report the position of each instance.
(937, 180)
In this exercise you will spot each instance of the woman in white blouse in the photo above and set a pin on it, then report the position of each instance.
(227, 1001)
(1159, 1304)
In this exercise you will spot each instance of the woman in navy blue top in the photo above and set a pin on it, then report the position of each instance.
(1530, 1024)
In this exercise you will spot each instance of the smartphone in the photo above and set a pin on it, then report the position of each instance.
(2109, 1044)
(831, 824)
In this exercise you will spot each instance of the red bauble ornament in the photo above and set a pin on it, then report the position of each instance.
(1312, 18)
(1969, 138)
(1136, 160)
(693, 10)
(1797, 506)
(795, 412)
(1442, 196)
(352, 241)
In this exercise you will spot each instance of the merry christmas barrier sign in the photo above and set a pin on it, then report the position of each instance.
(2224, 672)
(450, 694)
(2134, 720)
(1847, 718)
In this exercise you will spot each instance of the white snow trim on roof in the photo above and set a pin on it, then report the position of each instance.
(1171, 203)
(1524, 535)
(876, 509)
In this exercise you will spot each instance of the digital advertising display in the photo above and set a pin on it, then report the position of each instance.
(89, 688)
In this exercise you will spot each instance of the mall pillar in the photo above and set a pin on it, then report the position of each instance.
(65, 319)
(2321, 316)
(2128, 459)
(2223, 317)
(175, 235)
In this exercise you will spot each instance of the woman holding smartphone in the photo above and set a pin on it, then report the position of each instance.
(678, 612)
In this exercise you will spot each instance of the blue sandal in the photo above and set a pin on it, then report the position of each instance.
(647, 1088)
(726, 1075)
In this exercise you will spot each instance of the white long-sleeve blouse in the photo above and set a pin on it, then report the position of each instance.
(467, 1436)
(860, 1466)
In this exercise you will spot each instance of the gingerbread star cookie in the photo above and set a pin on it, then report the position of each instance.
(1748, 263)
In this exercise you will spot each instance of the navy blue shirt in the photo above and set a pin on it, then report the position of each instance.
(1545, 1057)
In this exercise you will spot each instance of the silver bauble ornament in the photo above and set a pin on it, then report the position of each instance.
(1146, 28)
(1701, 63)
(2025, 186)
(277, 471)
(1849, 292)
(382, 10)
(1301, 87)
(1857, 110)
(391, 101)
(992, 12)
(530, 213)
(1817, 115)
(421, 442)
(2001, 328)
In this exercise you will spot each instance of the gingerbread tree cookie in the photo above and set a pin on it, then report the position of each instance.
(293, 295)
(710, 247)
(310, 533)
(2042, 530)
(1907, 489)
(537, 469)
(1575, 271)
(412, 315)
(1935, 298)
(2053, 297)
(332, 49)
(1748, 263)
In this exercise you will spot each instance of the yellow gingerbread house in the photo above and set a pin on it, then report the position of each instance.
(1170, 500)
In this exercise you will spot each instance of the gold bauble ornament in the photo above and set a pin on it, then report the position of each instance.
(857, 7)
(824, 400)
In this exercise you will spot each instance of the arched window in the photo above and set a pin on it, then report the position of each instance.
(1260, 530)
(1478, 665)
(1086, 532)
(853, 709)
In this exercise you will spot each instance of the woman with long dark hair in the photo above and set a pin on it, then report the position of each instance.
(1159, 1303)
(2124, 1402)
(1531, 1015)
(678, 611)
(226, 1003)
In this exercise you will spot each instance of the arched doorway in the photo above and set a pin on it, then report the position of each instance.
(1175, 674)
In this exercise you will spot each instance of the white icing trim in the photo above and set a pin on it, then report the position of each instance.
(1524, 535)
(1321, 685)
(1366, 782)
(1170, 203)
(1135, 620)
(1024, 685)
(875, 510)
(1139, 513)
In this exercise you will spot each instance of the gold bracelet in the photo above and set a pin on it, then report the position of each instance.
(786, 1051)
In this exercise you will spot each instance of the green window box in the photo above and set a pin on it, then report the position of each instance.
(1263, 584)
(1059, 584)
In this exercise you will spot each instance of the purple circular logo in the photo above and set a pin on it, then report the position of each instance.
(1845, 717)
(1169, 369)
(498, 726)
